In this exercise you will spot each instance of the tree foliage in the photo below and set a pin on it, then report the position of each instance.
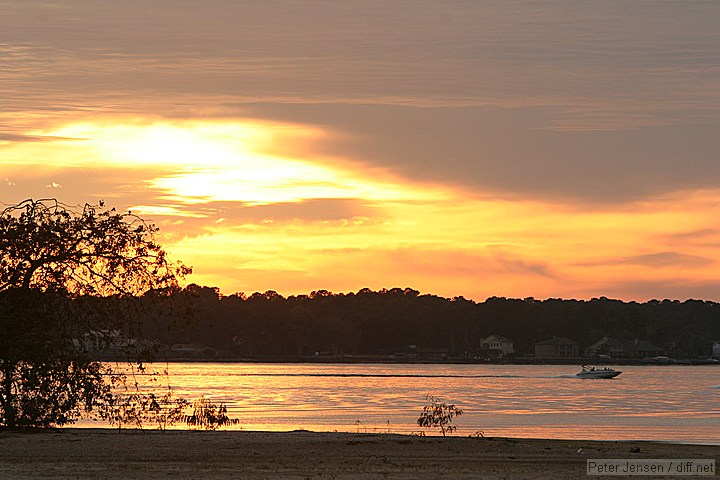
(63, 270)
(42, 381)
(128, 403)
(48, 246)
(209, 416)
(438, 414)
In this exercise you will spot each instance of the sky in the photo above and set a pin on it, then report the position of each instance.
(513, 148)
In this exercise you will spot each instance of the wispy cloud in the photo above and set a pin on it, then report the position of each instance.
(664, 259)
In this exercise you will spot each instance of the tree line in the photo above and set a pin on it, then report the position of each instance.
(389, 320)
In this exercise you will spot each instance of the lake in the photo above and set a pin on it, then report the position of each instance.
(665, 403)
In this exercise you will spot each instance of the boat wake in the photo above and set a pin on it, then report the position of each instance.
(395, 375)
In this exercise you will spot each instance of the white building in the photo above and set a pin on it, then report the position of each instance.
(497, 344)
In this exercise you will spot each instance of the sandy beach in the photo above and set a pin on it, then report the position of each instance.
(111, 454)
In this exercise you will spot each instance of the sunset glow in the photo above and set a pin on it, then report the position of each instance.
(499, 162)
(202, 182)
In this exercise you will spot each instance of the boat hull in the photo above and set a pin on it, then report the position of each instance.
(599, 374)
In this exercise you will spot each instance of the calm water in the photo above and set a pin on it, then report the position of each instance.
(667, 403)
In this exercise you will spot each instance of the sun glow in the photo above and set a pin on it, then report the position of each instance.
(230, 161)
(186, 145)
(259, 206)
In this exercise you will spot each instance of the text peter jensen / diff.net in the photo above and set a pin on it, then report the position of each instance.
(659, 466)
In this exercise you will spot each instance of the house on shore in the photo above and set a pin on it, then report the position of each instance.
(496, 346)
(612, 347)
(557, 347)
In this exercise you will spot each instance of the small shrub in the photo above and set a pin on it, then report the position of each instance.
(438, 414)
(358, 423)
(208, 416)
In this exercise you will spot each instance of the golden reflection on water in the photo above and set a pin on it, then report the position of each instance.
(646, 402)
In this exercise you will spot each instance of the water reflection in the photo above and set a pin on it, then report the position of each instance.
(650, 403)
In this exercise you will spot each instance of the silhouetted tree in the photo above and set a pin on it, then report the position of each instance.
(66, 273)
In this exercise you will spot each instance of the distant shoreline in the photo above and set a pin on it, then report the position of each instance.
(113, 454)
(364, 359)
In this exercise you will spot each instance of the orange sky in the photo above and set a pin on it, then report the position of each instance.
(511, 149)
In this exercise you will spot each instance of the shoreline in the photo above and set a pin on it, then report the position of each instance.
(432, 433)
(383, 360)
(112, 454)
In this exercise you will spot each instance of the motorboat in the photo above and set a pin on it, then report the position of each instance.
(593, 372)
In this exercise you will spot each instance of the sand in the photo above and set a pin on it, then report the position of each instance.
(112, 454)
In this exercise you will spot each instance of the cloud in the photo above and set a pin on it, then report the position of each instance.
(520, 266)
(698, 234)
(658, 259)
(53, 185)
(10, 137)
(666, 259)
(661, 289)
(565, 101)
(166, 211)
(509, 151)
